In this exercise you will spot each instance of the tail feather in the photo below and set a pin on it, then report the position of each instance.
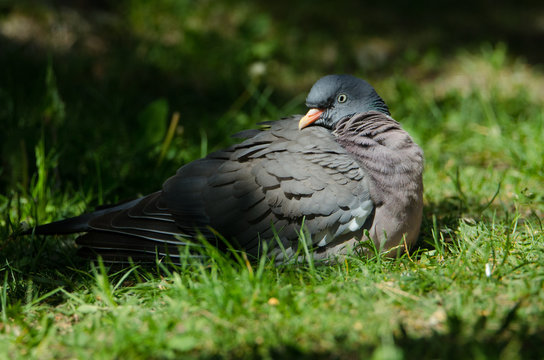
(128, 242)
(122, 256)
(78, 223)
(139, 229)
(115, 247)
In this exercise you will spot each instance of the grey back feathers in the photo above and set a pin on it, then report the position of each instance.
(358, 170)
(271, 182)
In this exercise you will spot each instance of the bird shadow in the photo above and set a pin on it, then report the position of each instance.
(442, 219)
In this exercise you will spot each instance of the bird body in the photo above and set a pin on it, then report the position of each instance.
(343, 168)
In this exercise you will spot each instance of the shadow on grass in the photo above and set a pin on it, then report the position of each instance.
(514, 341)
(441, 219)
(459, 340)
(457, 343)
(47, 262)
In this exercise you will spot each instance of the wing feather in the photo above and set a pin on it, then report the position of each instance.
(275, 179)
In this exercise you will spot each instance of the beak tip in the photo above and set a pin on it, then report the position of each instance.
(311, 116)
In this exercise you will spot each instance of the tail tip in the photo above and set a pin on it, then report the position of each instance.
(24, 228)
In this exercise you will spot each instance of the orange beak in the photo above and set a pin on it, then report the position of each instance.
(311, 116)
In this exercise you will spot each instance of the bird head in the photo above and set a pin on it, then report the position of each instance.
(334, 97)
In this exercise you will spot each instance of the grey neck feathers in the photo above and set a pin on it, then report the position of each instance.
(379, 105)
(385, 151)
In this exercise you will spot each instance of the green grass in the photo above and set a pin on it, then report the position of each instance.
(472, 288)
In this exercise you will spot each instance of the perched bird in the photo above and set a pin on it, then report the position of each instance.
(343, 170)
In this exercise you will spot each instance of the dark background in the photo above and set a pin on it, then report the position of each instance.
(98, 81)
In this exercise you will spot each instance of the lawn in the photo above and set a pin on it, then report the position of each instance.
(88, 127)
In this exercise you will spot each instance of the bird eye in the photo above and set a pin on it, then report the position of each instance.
(342, 98)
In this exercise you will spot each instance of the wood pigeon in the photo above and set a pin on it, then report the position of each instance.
(344, 171)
